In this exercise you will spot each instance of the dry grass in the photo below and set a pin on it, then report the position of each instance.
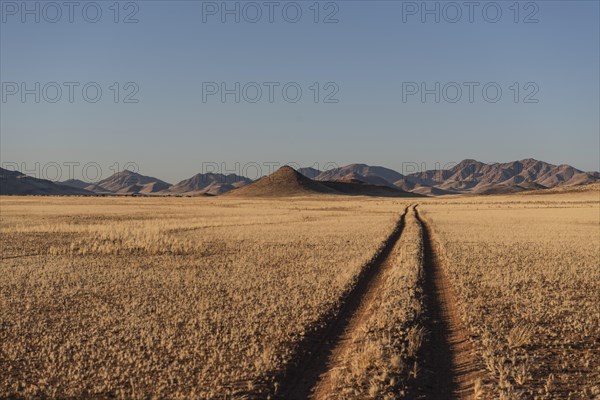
(526, 273)
(380, 361)
(175, 298)
(210, 297)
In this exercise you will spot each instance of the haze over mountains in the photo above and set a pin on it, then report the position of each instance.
(469, 176)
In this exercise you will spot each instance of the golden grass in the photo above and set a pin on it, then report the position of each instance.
(178, 298)
(210, 297)
(525, 269)
(380, 361)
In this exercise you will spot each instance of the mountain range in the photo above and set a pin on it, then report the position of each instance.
(286, 181)
(15, 182)
(210, 183)
(468, 176)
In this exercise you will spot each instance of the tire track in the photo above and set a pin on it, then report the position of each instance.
(448, 356)
(307, 376)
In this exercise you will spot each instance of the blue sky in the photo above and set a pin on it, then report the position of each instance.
(374, 51)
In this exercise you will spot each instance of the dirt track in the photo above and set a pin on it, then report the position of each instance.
(448, 367)
(449, 356)
(307, 378)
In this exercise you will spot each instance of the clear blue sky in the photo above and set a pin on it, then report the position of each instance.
(368, 54)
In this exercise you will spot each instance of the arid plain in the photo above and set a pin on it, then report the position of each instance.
(320, 296)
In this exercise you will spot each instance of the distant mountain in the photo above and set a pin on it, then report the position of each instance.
(76, 183)
(366, 173)
(93, 187)
(468, 176)
(288, 182)
(17, 183)
(477, 177)
(210, 183)
(148, 188)
(309, 172)
(154, 187)
(369, 179)
(128, 182)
